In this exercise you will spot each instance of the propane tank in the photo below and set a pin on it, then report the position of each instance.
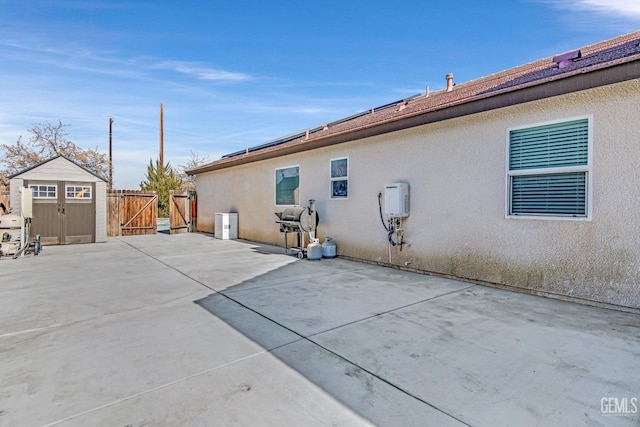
(314, 250)
(328, 248)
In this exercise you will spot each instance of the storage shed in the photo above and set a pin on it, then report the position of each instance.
(69, 202)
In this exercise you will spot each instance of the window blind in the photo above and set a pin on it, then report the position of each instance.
(549, 194)
(554, 145)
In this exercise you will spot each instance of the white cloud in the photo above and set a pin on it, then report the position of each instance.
(621, 8)
(77, 58)
(200, 71)
(628, 8)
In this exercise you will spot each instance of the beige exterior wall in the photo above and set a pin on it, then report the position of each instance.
(60, 169)
(457, 175)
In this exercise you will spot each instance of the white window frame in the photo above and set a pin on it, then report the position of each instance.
(75, 187)
(338, 178)
(553, 170)
(275, 186)
(36, 191)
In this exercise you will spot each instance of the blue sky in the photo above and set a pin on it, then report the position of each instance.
(235, 74)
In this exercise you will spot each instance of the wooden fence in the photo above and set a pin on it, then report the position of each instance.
(131, 212)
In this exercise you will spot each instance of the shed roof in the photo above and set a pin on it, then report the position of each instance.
(22, 172)
(603, 63)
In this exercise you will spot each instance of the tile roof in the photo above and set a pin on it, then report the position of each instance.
(601, 55)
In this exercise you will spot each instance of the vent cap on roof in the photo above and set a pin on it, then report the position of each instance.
(567, 59)
(450, 83)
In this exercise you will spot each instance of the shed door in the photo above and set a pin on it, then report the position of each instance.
(79, 212)
(63, 212)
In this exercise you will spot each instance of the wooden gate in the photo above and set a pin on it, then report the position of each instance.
(132, 212)
(179, 212)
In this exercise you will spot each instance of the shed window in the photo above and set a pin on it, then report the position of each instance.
(339, 178)
(44, 191)
(78, 192)
(287, 185)
(548, 170)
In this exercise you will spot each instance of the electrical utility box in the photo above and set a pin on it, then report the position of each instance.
(226, 226)
(396, 200)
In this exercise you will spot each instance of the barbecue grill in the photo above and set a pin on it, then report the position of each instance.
(299, 220)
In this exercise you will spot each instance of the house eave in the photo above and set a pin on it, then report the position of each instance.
(579, 80)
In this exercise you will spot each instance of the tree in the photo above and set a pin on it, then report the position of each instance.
(161, 179)
(47, 141)
(195, 160)
(4, 179)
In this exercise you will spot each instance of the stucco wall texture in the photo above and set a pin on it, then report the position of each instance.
(458, 226)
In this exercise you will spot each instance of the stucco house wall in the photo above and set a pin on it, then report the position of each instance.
(458, 225)
(62, 169)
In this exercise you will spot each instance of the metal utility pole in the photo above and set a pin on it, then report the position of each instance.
(161, 137)
(110, 153)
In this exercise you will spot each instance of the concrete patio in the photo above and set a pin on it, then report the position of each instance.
(186, 330)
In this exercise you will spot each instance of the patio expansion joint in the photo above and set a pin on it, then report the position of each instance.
(292, 280)
(157, 388)
(309, 338)
(318, 344)
(116, 314)
(382, 313)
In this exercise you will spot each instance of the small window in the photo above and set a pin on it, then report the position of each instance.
(44, 191)
(549, 170)
(78, 192)
(288, 185)
(339, 178)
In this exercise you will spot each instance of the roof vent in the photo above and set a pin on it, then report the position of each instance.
(450, 83)
(567, 59)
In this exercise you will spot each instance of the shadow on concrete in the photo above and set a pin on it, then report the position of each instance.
(424, 362)
(288, 309)
(364, 392)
